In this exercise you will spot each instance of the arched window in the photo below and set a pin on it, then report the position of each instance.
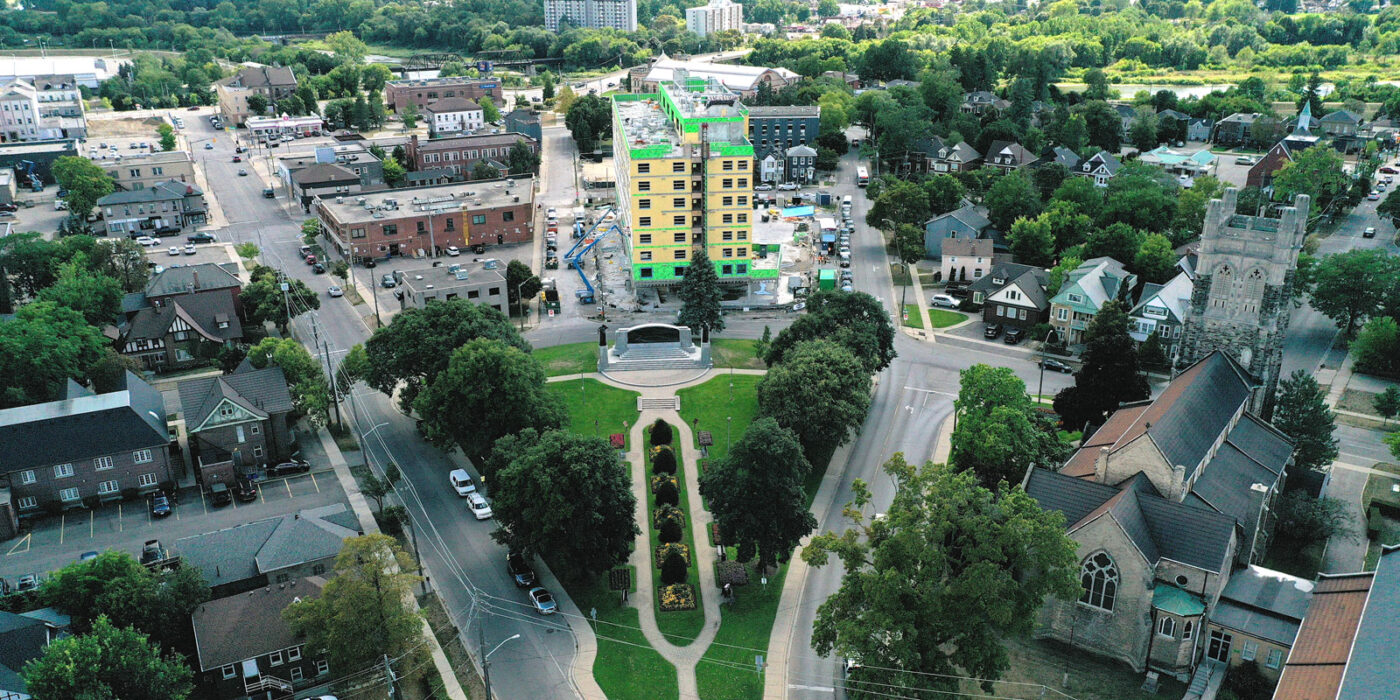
(1253, 292)
(1099, 578)
(1186, 631)
(1221, 286)
(1166, 626)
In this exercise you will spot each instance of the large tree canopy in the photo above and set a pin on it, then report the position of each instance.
(419, 342)
(1110, 374)
(42, 347)
(999, 432)
(107, 662)
(819, 391)
(756, 495)
(856, 321)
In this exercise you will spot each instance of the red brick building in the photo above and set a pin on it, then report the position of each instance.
(458, 154)
(422, 92)
(416, 220)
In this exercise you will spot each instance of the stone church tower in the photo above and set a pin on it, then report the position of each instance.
(1242, 295)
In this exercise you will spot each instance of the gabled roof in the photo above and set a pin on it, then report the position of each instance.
(1264, 603)
(1340, 116)
(1065, 157)
(801, 151)
(252, 549)
(1321, 652)
(968, 216)
(1032, 284)
(927, 145)
(1125, 111)
(1017, 153)
(248, 625)
(22, 639)
(452, 104)
(1103, 159)
(1173, 114)
(324, 173)
(262, 392)
(1006, 273)
(57, 432)
(1096, 281)
(1174, 296)
(1375, 656)
(1240, 118)
(265, 76)
(211, 315)
(963, 151)
(192, 278)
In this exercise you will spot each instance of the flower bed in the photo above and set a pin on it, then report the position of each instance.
(663, 550)
(680, 596)
(731, 572)
(666, 513)
(659, 478)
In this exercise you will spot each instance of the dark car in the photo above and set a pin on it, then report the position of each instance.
(160, 505)
(219, 495)
(479, 248)
(292, 466)
(519, 570)
(167, 230)
(388, 281)
(1014, 335)
(992, 330)
(152, 552)
(27, 582)
(9, 206)
(201, 237)
(318, 268)
(245, 490)
(1056, 365)
(268, 193)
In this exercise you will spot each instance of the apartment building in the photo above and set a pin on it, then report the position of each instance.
(591, 14)
(272, 82)
(50, 107)
(715, 16)
(684, 161)
(145, 170)
(420, 93)
(416, 220)
(453, 115)
(459, 154)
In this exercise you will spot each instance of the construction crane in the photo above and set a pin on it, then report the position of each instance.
(27, 169)
(607, 223)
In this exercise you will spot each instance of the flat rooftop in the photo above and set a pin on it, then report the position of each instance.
(468, 274)
(645, 126)
(39, 147)
(457, 196)
(436, 82)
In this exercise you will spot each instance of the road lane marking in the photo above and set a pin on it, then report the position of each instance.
(931, 391)
(22, 541)
(814, 688)
(315, 483)
(288, 484)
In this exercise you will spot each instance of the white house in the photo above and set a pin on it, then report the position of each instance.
(454, 115)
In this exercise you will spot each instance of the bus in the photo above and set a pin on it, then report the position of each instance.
(862, 176)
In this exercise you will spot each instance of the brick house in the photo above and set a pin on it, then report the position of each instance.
(237, 422)
(180, 332)
(245, 649)
(983, 102)
(421, 92)
(272, 82)
(86, 448)
(201, 279)
(269, 551)
(459, 154)
(1236, 129)
(324, 180)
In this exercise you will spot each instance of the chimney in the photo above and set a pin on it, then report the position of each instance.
(1101, 466)
(196, 278)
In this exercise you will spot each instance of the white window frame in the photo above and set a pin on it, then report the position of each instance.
(63, 495)
(1249, 649)
(296, 674)
(1062, 314)
(108, 487)
(27, 477)
(1275, 658)
(322, 667)
(102, 463)
(27, 502)
(1166, 626)
(275, 658)
(141, 456)
(63, 471)
(230, 671)
(146, 480)
(294, 654)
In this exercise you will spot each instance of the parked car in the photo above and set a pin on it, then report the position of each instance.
(29, 582)
(1014, 335)
(310, 259)
(152, 552)
(60, 205)
(190, 249)
(289, 467)
(268, 193)
(219, 495)
(765, 187)
(944, 300)
(992, 331)
(543, 601)
(519, 570)
(453, 251)
(788, 186)
(174, 251)
(1053, 364)
(1244, 160)
(335, 291)
(1373, 196)
(1370, 232)
(88, 556)
(387, 281)
(245, 490)
(201, 237)
(167, 230)
(1389, 170)
(9, 206)
(478, 506)
(238, 159)
(160, 505)
(318, 268)
(208, 146)
(461, 482)
(242, 172)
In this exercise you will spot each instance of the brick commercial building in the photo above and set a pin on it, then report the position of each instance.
(458, 154)
(399, 93)
(145, 170)
(415, 221)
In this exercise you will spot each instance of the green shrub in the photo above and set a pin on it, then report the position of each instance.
(732, 573)
(673, 569)
(663, 551)
(661, 433)
(666, 493)
(664, 514)
(670, 531)
(663, 462)
(1247, 682)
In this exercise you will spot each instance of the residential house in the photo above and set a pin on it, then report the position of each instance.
(1127, 114)
(269, 551)
(983, 102)
(1165, 500)
(1236, 129)
(1199, 129)
(800, 165)
(956, 158)
(1261, 174)
(922, 153)
(1162, 310)
(237, 423)
(185, 331)
(198, 279)
(1257, 619)
(140, 212)
(1171, 115)
(85, 448)
(1008, 156)
(1100, 167)
(324, 180)
(23, 637)
(1383, 131)
(1063, 156)
(774, 130)
(966, 222)
(1340, 123)
(246, 649)
(422, 92)
(1087, 288)
(851, 80)
(453, 115)
(272, 82)
(1013, 294)
(1346, 648)
(966, 259)
(354, 156)
(524, 121)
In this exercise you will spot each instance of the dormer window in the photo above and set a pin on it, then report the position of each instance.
(1076, 298)
(998, 280)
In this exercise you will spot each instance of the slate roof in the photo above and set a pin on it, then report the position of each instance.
(22, 639)
(248, 625)
(205, 312)
(964, 152)
(188, 278)
(265, 76)
(1173, 114)
(801, 151)
(1032, 284)
(252, 549)
(1065, 157)
(927, 145)
(1016, 152)
(1340, 116)
(452, 104)
(1264, 603)
(1104, 158)
(1375, 657)
(324, 173)
(72, 430)
(1195, 408)
(261, 391)
(968, 215)
(159, 192)
(1007, 272)
(1318, 660)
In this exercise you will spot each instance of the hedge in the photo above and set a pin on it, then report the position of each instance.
(661, 433)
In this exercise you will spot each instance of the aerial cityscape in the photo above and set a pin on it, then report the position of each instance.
(699, 349)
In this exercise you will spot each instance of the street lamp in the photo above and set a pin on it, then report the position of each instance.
(520, 301)
(899, 248)
(485, 658)
(1040, 391)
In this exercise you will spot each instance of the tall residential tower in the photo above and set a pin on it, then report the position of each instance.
(591, 14)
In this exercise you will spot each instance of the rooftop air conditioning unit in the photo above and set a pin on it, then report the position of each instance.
(418, 277)
(426, 286)
(361, 200)
(517, 198)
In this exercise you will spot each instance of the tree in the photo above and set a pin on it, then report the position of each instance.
(1141, 196)
(394, 172)
(1143, 131)
(265, 302)
(483, 170)
(589, 120)
(257, 104)
(418, 344)
(1155, 260)
(827, 159)
(41, 348)
(1012, 197)
(520, 281)
(1387, 403)
(1109, 375)
(944, 193)
(1118, 241)
(888, 60)
(1350, 287)
(306, 92)
(378, 488)
(116, 586)
(856, 321)
(902, 202)
(167, 136)
(1304, 520)
(346, 45)
(820, 391)
(979, 563)
(1102, 125)
(700, 296)
(523, 159)
(547, 85)
(1067, 226)
(1081, 192)
(568, 495)
(756, 493)
(363, 611)
(291, 104)
(1095, 85)
(488, 111)
(409, 115)
(461, 406)
(374, 76)
(1317, 172)
(1390, 207)
(247, 251)
(97, 297)
(309, 388)
(909, 242)
(360, 115)
(107, 662)
(1191, 207)
(1377, 346)
(999, 432)
(310, 231)
(85, 181)
(1302, 414)
(1032, 241)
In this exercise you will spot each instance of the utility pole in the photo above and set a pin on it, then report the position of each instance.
(393, 680)
(485, 662)
(335, 393)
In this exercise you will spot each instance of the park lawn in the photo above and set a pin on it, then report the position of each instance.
(595, 408)
(914, 318)
(735, 352)
(941, 318)
(626, 668)
(574, 358)
(711, 404)
(680, 627)
(745, 625)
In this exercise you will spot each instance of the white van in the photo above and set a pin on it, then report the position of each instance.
(462, 482)
(846, 201)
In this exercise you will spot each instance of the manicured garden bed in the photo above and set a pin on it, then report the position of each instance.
(680, 627)
(589, 401)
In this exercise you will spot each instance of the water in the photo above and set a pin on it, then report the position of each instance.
(1126, 91)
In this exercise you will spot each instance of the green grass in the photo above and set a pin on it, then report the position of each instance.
(736, 353)
(942, 318)
(745, 624)
(712, 404)
(626, 668)
(595, 408)
(914, 317)
(680, 627)
(574, 358)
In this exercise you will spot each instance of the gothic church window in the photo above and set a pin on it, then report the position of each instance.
(1221, 286)
(1099, 578)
